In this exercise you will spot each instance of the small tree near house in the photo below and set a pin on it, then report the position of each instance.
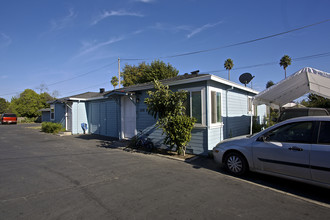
(169, 108)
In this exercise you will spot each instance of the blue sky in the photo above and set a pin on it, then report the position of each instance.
(73, 46)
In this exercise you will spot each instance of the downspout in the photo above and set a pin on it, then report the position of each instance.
(232, 88)
(77, 115)
(251, 121)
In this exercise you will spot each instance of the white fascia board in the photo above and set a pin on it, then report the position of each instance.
(229, 83)
(81, 99)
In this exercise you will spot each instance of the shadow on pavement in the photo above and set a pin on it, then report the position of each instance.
(104, 141)
(288, 186)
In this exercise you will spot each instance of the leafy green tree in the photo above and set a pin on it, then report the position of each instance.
(44, 98)
(114, 81)
(3, 105)
(285, 62)
(143, 73)
(229, 64)
(168, 106)
(29, 103)
(269, 84)
(316, 101)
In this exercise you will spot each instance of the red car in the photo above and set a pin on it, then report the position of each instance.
(8, 118)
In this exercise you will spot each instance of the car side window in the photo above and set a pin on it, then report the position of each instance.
(324, 135)
(299, 132)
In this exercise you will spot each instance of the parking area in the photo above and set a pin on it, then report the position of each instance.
(44, 176)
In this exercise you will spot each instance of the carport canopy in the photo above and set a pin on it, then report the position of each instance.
(306, 80)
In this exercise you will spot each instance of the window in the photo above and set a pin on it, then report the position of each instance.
(194, 106)
(324, 136)
(52, 112)
(300, 132)
(215, 107)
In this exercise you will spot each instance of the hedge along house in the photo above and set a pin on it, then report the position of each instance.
(222, 108)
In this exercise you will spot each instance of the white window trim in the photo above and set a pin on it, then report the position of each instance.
(218, 124)
(52, 106)
(202, 90)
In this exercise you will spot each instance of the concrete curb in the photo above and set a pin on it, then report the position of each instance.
(160, 155)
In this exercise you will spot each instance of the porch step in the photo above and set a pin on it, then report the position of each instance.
(65, 133)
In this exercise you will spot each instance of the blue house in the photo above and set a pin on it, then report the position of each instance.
(223, 109)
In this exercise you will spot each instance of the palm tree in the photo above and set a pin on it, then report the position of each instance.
(285, 62)
(114, 81)
(269, 84)
(229, 65)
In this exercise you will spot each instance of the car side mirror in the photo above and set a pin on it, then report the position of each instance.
(263, 138)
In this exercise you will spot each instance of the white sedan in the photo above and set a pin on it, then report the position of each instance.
(297, 149)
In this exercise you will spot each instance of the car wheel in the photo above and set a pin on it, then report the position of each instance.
(235, 163)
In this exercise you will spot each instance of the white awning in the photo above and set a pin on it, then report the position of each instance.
(306, 80)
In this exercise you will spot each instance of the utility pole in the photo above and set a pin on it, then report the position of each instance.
(119, 72)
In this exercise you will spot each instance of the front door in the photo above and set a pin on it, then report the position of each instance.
(128, 110)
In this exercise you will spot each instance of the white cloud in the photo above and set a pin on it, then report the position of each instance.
(172, 28)
(92, 46)
(64, 22)
(107, 14)
(89, 47)
(5, 40)
(145, 1)
(3, 77)
(203, 28)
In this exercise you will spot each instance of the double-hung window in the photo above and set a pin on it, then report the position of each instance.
(216, 107)
(194, 104)
(52, 112)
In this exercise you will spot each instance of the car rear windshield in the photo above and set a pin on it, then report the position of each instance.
(292, 114)
(9, 115)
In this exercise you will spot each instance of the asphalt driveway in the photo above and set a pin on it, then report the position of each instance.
(44, 176)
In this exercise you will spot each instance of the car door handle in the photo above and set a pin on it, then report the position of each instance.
(294, 148)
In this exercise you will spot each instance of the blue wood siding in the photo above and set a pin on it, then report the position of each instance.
(45, 116)
(79, 115)
(112, 118)
(143, 119)
(94, 117)
(104, 118)
(59, 114)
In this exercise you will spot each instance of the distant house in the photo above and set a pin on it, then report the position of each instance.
(222, 108)
(45, 114)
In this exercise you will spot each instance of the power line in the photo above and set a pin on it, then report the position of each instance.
(75, 77)
(83, 74)
(320, 55)
(231, 45)
(86, 88)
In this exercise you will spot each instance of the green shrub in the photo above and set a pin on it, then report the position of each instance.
(50, 127)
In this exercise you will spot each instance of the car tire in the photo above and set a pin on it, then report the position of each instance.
(236, 164)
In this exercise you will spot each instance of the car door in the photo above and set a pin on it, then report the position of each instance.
(320, 155)
(285, 150)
